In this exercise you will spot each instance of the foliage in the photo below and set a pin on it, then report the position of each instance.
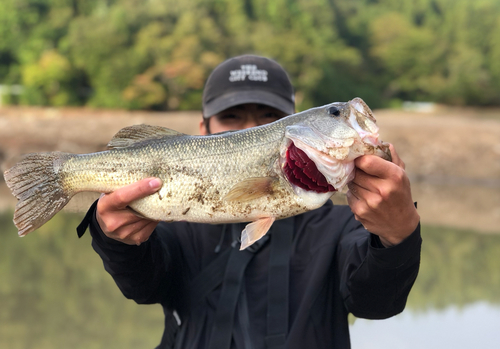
(156, 54)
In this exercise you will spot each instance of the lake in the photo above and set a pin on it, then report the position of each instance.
(455, 302)
(54, 293)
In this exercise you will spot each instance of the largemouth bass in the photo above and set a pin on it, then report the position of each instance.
(255, 175)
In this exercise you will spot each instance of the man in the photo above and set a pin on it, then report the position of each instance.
(293, 289)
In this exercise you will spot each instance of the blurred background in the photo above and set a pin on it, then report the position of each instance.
(73, 72)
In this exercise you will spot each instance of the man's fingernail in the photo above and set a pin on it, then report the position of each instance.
(155, 183)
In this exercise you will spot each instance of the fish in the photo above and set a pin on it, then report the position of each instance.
(257, 175)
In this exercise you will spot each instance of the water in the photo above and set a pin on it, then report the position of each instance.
(473, 326)
(54, 293)
(455, 302)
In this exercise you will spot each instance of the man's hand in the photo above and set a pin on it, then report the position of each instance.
(120, 223)
(380, 198)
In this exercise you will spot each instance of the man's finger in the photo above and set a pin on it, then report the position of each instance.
(113, 221)
(365, 181)
(121, 198)
(395, 157)
(373, 165)
(139, 232)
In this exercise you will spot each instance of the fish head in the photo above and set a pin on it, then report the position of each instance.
(319, 150)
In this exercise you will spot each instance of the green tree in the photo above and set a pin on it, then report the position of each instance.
(156, 54)
(48, 80)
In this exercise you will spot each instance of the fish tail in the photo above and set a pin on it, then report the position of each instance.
(38, 183)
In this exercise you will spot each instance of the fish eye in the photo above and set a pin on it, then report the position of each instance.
(334, 111)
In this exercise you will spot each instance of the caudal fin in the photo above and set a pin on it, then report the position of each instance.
(37, 184)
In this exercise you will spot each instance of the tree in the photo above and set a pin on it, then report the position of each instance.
(156, 54)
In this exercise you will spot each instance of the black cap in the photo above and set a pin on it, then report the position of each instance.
(248, 79)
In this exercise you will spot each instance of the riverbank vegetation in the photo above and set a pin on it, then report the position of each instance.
(156, 54)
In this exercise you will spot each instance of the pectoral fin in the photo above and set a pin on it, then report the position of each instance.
(251, 189)
(138, 214)
(255, 230)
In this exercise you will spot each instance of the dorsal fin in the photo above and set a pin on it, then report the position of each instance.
(130, 135)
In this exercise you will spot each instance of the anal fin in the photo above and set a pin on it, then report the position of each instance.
(255, 230)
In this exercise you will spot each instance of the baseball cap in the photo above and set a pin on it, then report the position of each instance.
(248, 79)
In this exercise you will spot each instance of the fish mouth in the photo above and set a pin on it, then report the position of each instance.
(362, 120)
(318, 154)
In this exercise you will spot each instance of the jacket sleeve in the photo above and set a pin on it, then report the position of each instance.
(376, 281)
(141, 272)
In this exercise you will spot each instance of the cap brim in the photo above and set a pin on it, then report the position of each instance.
(242, 97)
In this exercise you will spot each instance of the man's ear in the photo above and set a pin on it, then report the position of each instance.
(203, 128)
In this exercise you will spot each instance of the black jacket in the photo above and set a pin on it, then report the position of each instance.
(336, 267)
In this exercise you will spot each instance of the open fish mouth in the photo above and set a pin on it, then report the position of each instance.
(319, 156)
